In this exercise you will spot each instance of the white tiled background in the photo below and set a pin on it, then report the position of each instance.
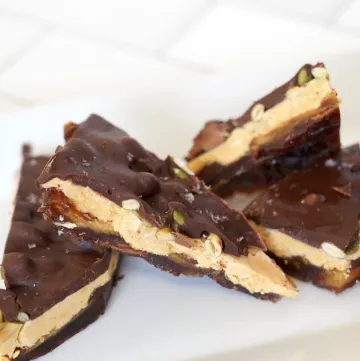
(55, 50)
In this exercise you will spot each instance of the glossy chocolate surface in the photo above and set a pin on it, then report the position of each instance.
(106, 159)
(216, 131)
(317, 204)
(42, 266)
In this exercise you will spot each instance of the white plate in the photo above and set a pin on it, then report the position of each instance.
(155, 316)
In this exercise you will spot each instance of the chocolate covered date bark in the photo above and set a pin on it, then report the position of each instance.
(105, 187)
(310, 221)
(51, 287)
(295, 125)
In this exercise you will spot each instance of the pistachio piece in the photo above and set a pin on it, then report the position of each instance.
(165, 235)
(1, 317)
(68, 225)
(319, 72)
(257, 112)
(214, 245)
(131, 204)
(332, 250)
(180, 173)
(178, 217)
(303, 77)
(23, 317)
(2, 278)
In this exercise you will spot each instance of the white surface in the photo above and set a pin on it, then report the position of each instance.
(116, 19)
(238, 37)
(315, 10)
(91, 68)
(56, 50)
(350, 19)
(21, 33)
(155, 316)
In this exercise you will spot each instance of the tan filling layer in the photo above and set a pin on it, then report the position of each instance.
(257, 272)
(17, 336)
(298, 101)
(285, 247)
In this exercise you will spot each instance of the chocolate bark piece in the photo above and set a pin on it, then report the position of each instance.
(288, 129)
(103, 186)
(310, 221)
(53, 286)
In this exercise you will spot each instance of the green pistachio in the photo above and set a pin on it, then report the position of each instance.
(178, 217)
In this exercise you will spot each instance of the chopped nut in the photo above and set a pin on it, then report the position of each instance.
(131, 204)
(31, 245)
(332, 250)
(178, 217)
(180, 173)
(311, 199)
(303, 77)
(165, 235)
(257, 112)
(344, 190)
(1, 317)
(214, 245)
(68, 225)
(189, 197)
(319, 72)
(23, 317)
(16, 354)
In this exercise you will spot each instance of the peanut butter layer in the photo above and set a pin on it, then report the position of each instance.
(280, 126)
(47, 278)
(103, 182)
(311, 218)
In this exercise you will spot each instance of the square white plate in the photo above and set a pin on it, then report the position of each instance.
(155, 316)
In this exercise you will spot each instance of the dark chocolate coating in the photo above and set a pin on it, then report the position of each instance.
(317, 204)
(42, 267)
(89, 315)
(100, 156)
(277, 159)
(311, 139)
